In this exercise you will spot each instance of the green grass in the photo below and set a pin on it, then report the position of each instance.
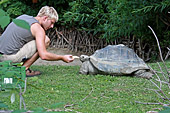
(62, 85)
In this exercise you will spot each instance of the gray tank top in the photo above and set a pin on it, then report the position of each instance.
(14, 37)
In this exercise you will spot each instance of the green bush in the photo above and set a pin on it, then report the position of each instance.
(110, 18)
(117, 18)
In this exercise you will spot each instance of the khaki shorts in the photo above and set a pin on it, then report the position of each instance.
(26, 52)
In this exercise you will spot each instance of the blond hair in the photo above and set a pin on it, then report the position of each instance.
(48, 11)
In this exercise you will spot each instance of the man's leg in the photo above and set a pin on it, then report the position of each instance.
(28, 52)
(31, 60)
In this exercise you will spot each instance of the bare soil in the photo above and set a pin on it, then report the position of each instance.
(60, 51)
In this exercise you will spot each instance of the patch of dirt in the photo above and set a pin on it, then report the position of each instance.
(60, 51)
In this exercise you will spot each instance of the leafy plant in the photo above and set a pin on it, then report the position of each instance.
(166, 110)
(17, 7)
(21, 23)
(4, 19)
(2, 105)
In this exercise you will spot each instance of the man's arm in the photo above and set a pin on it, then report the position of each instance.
(39, 34)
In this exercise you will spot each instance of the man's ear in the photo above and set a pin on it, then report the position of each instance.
(45, 17)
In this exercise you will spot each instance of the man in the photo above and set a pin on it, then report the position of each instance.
(18, 44)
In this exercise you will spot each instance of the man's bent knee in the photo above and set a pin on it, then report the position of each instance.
(26, 52)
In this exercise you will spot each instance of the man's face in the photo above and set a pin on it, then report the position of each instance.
(48, 23)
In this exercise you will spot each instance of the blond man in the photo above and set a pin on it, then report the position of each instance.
(18, 44)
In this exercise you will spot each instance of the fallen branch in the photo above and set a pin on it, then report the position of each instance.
(69, 105)
(167, 55)
(147, 103)
(88, 95)
(158, 82)
(160, 53)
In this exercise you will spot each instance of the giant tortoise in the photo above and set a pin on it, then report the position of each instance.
(115, 60)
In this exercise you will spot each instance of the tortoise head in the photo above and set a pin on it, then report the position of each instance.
(84, 58)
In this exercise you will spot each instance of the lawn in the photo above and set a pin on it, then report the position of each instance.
(62, 88)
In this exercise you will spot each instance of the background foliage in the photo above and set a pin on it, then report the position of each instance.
(110, 18)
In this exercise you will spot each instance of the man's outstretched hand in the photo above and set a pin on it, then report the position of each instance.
(68, 58)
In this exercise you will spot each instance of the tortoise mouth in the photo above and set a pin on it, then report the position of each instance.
(84, 58)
